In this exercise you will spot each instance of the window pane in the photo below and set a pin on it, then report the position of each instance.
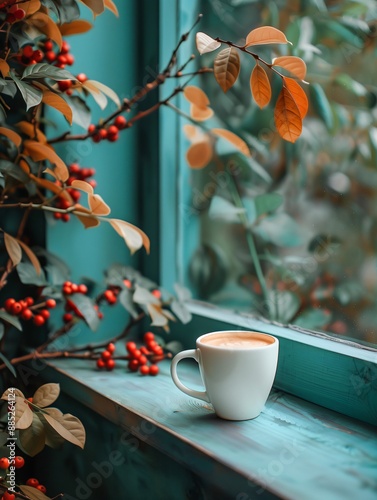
(291, 232)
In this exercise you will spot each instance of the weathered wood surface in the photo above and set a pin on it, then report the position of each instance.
(293, 450)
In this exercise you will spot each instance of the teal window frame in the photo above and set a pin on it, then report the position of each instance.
(335, 373)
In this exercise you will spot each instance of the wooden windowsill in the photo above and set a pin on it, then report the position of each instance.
(293, 450)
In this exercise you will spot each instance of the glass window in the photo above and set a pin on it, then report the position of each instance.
(290, 233)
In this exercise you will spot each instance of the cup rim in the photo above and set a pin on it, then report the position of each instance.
(209, 346)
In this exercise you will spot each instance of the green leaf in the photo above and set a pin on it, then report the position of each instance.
(266, 203)
(12, 320)
(86, 307)
(349, 292)
(125, 298)
(181, 311)
(65, 10)
(32, 440)
(223, 209)
(44, 70)
(282, 306)
(312, 319)
(372, 135)
(281, 230)
(8, 364)
(9, 88)
(28, 275)
(81, 112)
(46, 395)
(52, 438)
(321, 105)
(7, 168)
(31, 95)
(356, 88)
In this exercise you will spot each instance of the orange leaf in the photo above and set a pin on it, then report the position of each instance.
(287, 116)
(265, 35)
(13, 136)
(28, 129)
(82, 186)
(32, 256)
(87, 222)
(96, 6)
(260, 86)
(13, 249)
(4, 68)
(293, 64)
(239, 143)
(110, 5)
(193, 134)
(75, 27)
(199, 154)
(298, 95)
(97, 205)
(51, 186)
(24, 165)
(204, 43)
(227, 67)
(31, 7)
(196, 96)
(40, 152)
(57, 102)
(199, 114)
(44, 24)
(134, 237)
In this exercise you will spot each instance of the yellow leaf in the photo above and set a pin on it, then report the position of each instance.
(31, 7)
(199, 154)
(57, 102)
(293, 64)
(40, 152)
(265, 35)
(82, 186)
(44, 24)
(298, 95)
(199, 114)
(134, 237)
(97, 205)
(227, 67)
(204, 43)
(196, 96)
(110, 5)
(287, 116)
(239, 143)
(75, 27)
(260, 86)
(12, 135)
(13, 248)
(4, 68)
(105, 90)
(96, 6)
(28, 129)
(33, 258)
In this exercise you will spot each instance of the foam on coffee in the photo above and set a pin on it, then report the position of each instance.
(238, 340)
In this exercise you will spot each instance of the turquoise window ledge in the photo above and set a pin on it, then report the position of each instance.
(294, 450)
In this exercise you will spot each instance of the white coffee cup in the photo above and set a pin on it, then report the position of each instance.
(237, 368)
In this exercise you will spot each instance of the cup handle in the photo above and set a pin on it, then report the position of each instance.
(191, 353)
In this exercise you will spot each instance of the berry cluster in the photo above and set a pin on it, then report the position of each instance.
(67, 86)
(139, 358)
(27, 310)
(16, 462)
(62, 58)
(76, 173)
(111, 133)
(35, 484)
(106, 360)
(14, 13)
(71, 309)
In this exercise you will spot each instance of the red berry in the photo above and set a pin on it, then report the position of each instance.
(70, 59)
(131, 347)
(153, 370)
(28, 51)
(19, 14)
(57, 215)
(106, 355)
(39, 320)
(45, 313)
(11, 18)
(127, 283)
(67, 290)
(67, 317)
(9, 304)
(19, 462)
(148, 336)
(4, 463)
(29, 301)
(110, 365)
(82, 289)
(38, 55)
(151, 344)
(64, 85)
(26, 314)
(96, 138)
(158, 350)
(81, 77)
(48, 45)
(8, 496)
(61, 59)
(51, 303)
(74, 288)
(133, 365)
(136, 354)
(92, 128)
(142, 360)
(41, 488)
(32, 482)
(100, 363)
(93, 183)
(74, 168)
(111, 347)
(16, 308)
(156, 293)
(50, 56)
(120, 122)
(144, 350)
(65, 48)
(112, 130)
(112, 138)
(144, 370)
(110, 296)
